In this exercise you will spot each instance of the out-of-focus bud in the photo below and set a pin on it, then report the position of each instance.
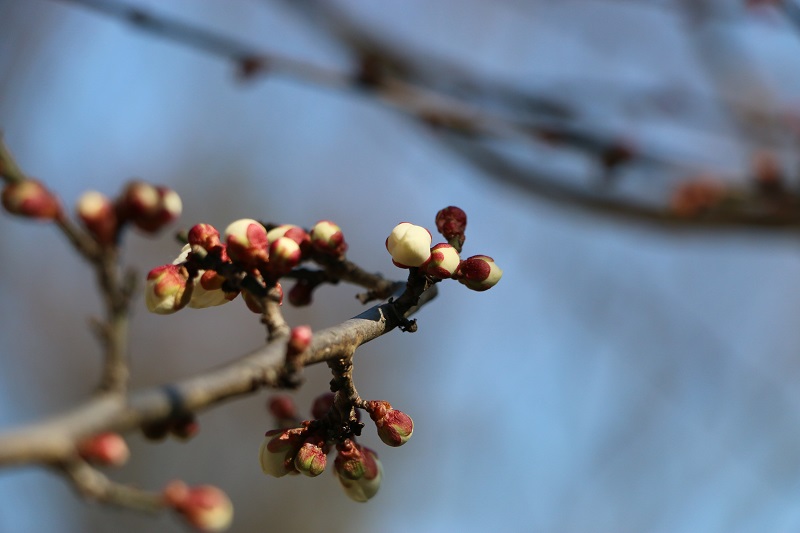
(301, 292)
(322, 404)
(140, 200)
(204, 507)
(253, 303)
(284, 255)
(167, 289)
(299, 339)
(204, 237)
(296, 233)
(278, 450)
(394, 427)
(207, 290)
(695, 197)
(108, 449)
(150, 208)
(451, 222)
(443, 262)
(29, 198)
(282, 407)
(409, 245)
(185, 426)
(247, 242)
(358, 469)
(97, 213)
(478, 273)
(310, 459)
(327, 237)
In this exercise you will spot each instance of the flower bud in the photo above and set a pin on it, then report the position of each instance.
(97, 213)
(301, 293)
(247, 242)
(310, 459)
(29, 198)
(166, 289)
(359, 470)
(327, 237)
(322, 404)
(150, 208)
(204, 507)
(279, 449)
(207, 290)
(299, 339)
(409, 245)
(205, 237)
(282, 407)
(394, 427)
(284, 255)
(296, 233)
(478, 273)
(140, 200)
(108, 449)
(443, 262)
(451, 222)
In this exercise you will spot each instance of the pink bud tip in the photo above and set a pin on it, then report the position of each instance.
(299, 339)
(30, 199)
(204, 507)
(107, 449)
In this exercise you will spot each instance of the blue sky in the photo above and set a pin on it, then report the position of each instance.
(619, 378)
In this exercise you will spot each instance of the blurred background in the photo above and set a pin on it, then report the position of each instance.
(623, 376)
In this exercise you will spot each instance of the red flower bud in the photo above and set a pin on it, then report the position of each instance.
(29, 198)
(478, 273)
(451, 222)
(322, 404)
(394, 427)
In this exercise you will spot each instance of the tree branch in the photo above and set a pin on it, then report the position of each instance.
(53, 441)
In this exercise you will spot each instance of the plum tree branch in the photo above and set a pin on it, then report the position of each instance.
(53, 440)
(437, 94)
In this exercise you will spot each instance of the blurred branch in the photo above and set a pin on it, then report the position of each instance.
(435, 93)
(53, 441)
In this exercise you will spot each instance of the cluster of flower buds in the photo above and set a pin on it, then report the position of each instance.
(205, 507)
(146, 206)
(303, 447)
(410, 247)
(211, 268)
(106, 449)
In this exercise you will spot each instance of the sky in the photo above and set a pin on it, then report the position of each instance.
(618, 378)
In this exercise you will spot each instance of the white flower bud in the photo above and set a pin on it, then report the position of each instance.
(409, 245)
